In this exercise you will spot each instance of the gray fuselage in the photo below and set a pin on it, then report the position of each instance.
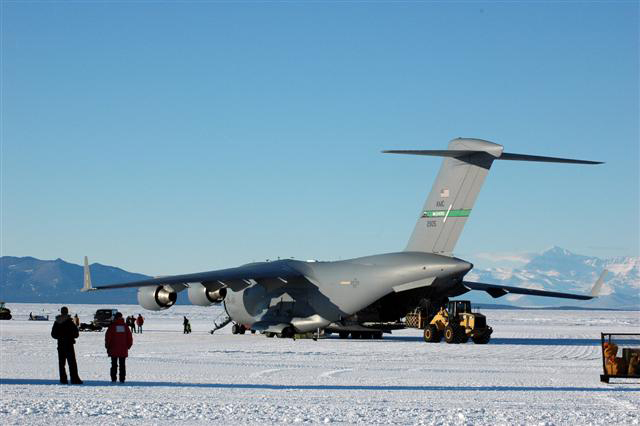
(331, 291)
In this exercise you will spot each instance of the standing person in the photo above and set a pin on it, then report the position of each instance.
(118, 341)
(66, 332)
(76, 320)
(131, 323)
(139, 323)
(185, 325)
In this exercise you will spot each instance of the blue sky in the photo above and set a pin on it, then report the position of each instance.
(174, 137)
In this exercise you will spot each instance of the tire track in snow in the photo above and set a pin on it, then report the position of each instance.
(267, 372)
(333, 373)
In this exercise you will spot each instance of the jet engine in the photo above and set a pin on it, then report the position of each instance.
(156, 298)
(202, 296)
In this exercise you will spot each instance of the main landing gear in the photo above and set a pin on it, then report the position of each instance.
(360, 334)
(238, 329)
(287, 332)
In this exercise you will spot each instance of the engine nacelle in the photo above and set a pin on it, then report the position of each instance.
(156, 298)
(202, 296)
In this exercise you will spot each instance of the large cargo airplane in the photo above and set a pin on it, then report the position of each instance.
(288, 296)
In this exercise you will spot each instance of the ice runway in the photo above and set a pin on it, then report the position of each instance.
(541, 367)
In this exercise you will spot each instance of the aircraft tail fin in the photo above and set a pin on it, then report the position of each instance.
(464, 167)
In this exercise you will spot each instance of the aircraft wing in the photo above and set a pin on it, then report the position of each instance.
(496, 290)
(234, 278)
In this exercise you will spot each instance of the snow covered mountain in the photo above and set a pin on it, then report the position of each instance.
(26, 279)
(558, 269)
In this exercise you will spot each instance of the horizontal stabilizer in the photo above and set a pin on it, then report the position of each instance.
(525, 157)
(504, 156)
(433, 152)
(500, 290)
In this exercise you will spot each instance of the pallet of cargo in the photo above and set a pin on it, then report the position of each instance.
(624, 367)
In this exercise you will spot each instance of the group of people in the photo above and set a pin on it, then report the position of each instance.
(132, 322)
(117, 341)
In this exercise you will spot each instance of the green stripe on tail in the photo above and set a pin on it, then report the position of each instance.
(443, 213)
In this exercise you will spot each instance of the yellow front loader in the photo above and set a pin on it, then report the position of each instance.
(456, 323)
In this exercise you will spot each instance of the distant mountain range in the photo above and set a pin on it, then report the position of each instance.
(26, 279)
(558, 269)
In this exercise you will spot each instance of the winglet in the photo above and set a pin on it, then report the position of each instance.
(595, 291)
(87, 276)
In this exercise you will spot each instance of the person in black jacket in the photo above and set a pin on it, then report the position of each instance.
(186, 325)
(131, 322)
(66, 332)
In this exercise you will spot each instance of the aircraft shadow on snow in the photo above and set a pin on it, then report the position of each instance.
(265, 386)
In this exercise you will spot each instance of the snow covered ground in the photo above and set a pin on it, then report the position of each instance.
(541, 367)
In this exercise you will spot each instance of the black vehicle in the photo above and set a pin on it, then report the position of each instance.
(5, 313)
(104, 317)
(89, 327)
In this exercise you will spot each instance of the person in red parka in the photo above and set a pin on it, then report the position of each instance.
(139, 322)
(118, 341)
